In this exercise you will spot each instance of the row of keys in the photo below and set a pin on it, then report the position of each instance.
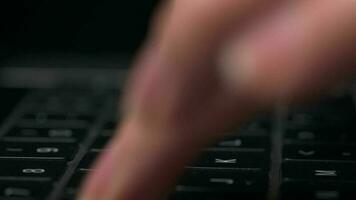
(49, 134)
(213, 160)
(62, 109)
(230, 143)
(65, 120)
(32, 169)
(204, 184)
(222, 184)
(319, 170)
(45, 120)
(64, 102)
(46, 137)
(237, 166)
(239, 141)
(322, 135)
(37, 151)
(333, 152)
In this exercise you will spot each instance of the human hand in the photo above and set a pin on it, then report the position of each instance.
(209, 65)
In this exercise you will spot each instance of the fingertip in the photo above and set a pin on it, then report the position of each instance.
(135, 158)
(237, 67)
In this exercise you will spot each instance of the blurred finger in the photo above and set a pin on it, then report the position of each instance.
(173, 94)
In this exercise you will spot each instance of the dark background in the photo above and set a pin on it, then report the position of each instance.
(72, 26)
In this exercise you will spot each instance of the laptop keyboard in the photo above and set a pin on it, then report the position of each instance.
(50, 140)
(319, 152)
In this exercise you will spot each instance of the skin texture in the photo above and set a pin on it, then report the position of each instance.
(209, 65)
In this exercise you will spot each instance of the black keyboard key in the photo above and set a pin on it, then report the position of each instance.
(224, 181)
(24, 189)
(322, 170)
(320, 135)
(31, 169)
(21, 150)
(50, 134)
(320, 152)
(42, 117)
(233, 159)
(317, 190)
(244, 142)
(222, 185)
